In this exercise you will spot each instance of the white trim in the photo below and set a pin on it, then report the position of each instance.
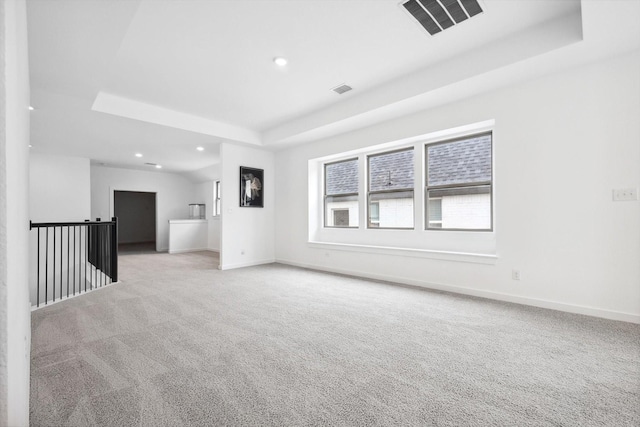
(187, 221)
(498, 296)
(245, 264)
(410, 252)
(182, 251)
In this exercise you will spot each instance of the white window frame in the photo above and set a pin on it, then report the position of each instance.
(464, 246)
(403, 190)
(327, 196)
(427, 188)
(217, 199)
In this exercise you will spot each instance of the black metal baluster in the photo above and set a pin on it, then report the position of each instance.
(38, 283)
(61, 239)
(68, 253)
(86, 254)
(54, 264)
(46, 268)
(114, 250)
(104, 253)
(74, 260)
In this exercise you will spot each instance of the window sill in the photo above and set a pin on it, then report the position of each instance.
(475, 258)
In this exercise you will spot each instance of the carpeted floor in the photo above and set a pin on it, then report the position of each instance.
(181, 343)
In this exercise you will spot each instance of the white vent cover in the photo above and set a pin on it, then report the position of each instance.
(437, 15)
(340, 89)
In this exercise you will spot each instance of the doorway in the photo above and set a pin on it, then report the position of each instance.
(136, 213)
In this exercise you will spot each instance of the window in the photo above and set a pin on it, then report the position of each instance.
(391, 181)
(340, 217)
(435, 212)
(216, 198)
(459, 184)
(341, 194)
(374, 215)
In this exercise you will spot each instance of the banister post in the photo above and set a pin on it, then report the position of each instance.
(114, 249)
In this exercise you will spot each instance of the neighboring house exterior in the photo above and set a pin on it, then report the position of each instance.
(458, 187)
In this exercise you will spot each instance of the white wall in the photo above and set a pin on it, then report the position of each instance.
(204, 190)
(561, 144)
(59, 188)
(15, 317)
(248, 232)
(59, 191)
(174, 193)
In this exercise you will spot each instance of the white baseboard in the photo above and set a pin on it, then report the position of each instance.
(246, 264)
(182, 251)
(553, 305)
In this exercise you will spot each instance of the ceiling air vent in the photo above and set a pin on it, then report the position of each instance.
(151, 164)
(438, 15)
(341, 89)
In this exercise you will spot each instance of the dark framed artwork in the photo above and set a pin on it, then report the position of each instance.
(251, 187)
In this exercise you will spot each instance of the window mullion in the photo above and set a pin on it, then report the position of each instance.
(363, 198)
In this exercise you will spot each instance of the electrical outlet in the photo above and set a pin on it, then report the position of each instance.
(625, 194)
(515, 274)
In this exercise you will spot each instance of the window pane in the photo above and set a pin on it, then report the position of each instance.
(435, 212)
(341, 177)
(391, 171)
(464, 208)
(395, 210)
(391, 181)
(374, 215)
(341, 194)
(460, 162)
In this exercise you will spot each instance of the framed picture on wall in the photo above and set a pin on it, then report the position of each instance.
(251, 187)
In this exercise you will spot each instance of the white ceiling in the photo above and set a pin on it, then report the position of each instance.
(161, 77)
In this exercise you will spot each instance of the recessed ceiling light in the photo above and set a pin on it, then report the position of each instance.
(280, 61)
(31, 108)
(138, 155)
(200, 148)
(158, 166)
(30, 145)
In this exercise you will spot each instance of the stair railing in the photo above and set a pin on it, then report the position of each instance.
(73, 257)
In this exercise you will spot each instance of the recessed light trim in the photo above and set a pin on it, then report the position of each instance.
(280, 61)
(31, 108)
(138, 154)
(200, 148)
(158, 166)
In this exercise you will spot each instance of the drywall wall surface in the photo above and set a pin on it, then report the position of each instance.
(4, 344)
(562, 143)
(247, 235)
(173, 195)
(59, 188)
(15, 316)
(205, 194)
(136, 212)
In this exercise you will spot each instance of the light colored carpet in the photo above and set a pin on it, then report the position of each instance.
(181, 343)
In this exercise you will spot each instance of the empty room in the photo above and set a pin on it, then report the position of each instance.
(320, 212)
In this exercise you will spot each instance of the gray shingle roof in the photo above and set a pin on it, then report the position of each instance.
(391, 171)
(342, 177)
(464, 161)
(457, 162)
